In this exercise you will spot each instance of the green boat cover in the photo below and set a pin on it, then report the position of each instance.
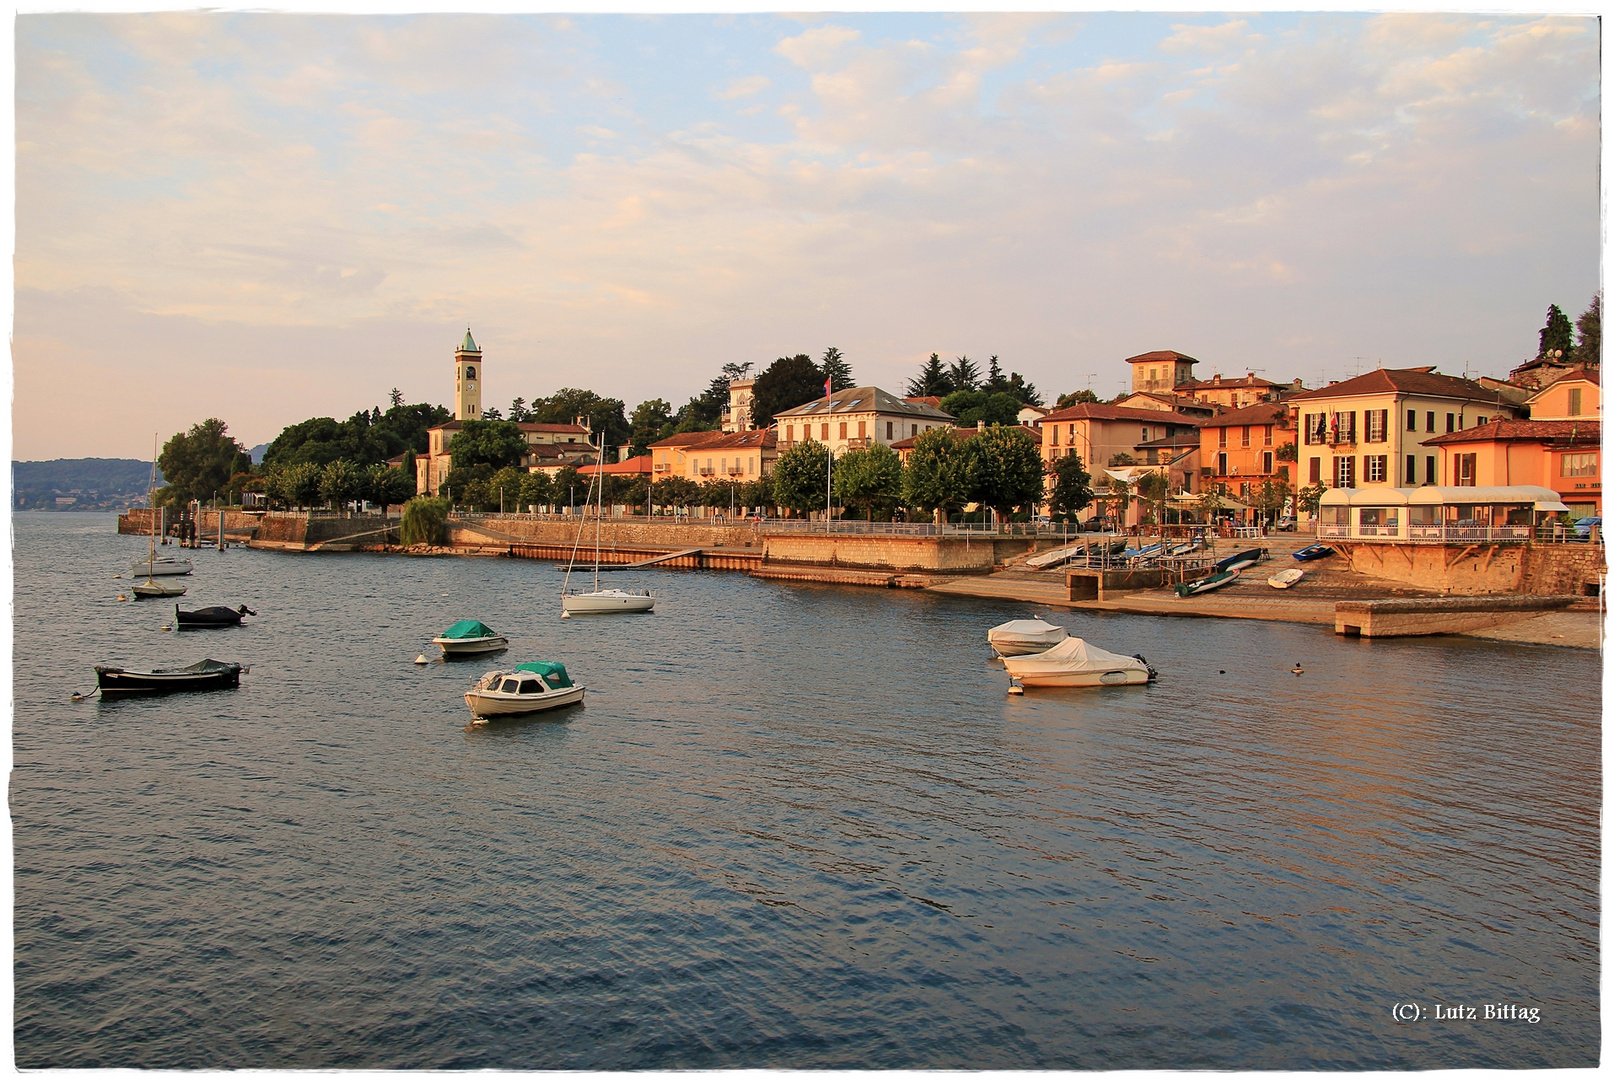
(468, 628)
(554, 674)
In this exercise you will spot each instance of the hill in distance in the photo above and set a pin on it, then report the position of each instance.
(80, 484)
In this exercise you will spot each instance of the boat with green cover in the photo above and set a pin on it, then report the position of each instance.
(531, 687)
(469, 637)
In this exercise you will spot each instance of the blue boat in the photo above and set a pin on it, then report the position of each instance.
(1315, 551)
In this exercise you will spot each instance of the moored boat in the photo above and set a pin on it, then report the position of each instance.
(1283, 579)
(210, 616)
(605, 602)
(1023, 636)
(529, 688)
(160, 566)
(1073, 662)
(1314, 551)
(469, 637)
(152, 589)
(1206, 584)
(203, 675)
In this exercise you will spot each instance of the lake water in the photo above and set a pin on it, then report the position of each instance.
(792, 826)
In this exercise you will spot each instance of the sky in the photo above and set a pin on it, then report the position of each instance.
(268, 217)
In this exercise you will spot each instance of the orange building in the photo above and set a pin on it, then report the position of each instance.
(1576, 396)
(1239, 449)
(708, 456)
(1564, 455)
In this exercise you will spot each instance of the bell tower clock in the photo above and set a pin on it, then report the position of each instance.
(468, 380)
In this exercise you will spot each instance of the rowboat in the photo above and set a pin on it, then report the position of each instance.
(210, 616)
(1206, 584)
(1073, 662)
(1315, 551)
(528, 688)
(1240, 560)
(203, 675)
(1285, 578)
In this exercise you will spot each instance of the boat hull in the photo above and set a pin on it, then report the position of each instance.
(606, 602)
(487, 704)
(471, 646)
(1315, 551)
(157, 590)
(207, 618)
(1033, 677)
(1284, 579)
(161, 568)
(1023, 637)
(1206, 584)
(113, 680)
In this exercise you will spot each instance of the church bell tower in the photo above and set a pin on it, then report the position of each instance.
(467, 380)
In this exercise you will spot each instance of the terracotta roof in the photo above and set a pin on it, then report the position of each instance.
(1183, 440)
(1266, 412)
(765, 438)
(958, 433)
(1088, 411)
(634, 466)
(1424, 381)
(1159, 356)
(1176, 401)
(861, 399)
(1216, 382)
(929, 399)
(1588, 374)
(1576, 431)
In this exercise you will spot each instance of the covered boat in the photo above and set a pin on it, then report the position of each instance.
(529, 688)
(468, 637)
(1206, 584)
(1024, 636)
(152, 589)
(210, 616)
(203, 675)
(1073, 662)
(1283, 579)
(1314, 551)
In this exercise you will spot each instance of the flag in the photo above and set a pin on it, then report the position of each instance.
(826, 388)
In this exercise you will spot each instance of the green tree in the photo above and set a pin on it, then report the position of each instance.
(678, 491)
(799, 480)
(462, 482)
(505, 487)
(390, 487)
(758, 492)
(977, 408)
(1072, 488)
(937, 473)
(1014, 385)
(199, 462)
(518, 410)
(1153, 489)
(536, 490)
(293, 485)
(571, 487)
(402, 428)
(1558, 334)
(1005, 469)
(633, 491)
(341, 482)
(788, 382)
(1309, 498)
(487, 442)
(963, 374)
(1286, 452)
(1210, 502)
(721, 494)
(425, 521)
(931, 381)
(1121, 490)
(1589, 349)
(836, 369)
(1078, 397)
(1271, 495)
(604, 415)
(652, 420)
(869, 480)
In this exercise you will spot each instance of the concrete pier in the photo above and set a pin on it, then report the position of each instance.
(1404, 617)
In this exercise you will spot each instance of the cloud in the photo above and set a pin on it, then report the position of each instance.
(746, 87)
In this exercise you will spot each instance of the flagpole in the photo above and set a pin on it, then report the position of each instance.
(829, 459)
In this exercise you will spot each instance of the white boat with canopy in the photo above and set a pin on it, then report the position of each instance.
(1023, 636)
(1073, 662)
(468, 637)
(529, 688)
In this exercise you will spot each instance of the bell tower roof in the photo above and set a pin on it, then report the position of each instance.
(469, 344)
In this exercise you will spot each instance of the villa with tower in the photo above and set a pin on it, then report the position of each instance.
(550, 447)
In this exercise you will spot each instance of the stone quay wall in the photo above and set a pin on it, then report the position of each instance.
(237, 524)
(1484, 569)
(1443, 615)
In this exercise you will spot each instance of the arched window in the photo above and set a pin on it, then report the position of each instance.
(470, 373)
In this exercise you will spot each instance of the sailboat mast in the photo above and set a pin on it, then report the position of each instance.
(599, 476)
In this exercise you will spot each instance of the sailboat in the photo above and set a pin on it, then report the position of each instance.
(151, 588)
(598, 601)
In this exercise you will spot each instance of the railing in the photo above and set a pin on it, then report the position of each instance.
(1326, 531)
(1391, 529)
(1454, 533)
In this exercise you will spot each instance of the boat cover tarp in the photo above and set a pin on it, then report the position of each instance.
(468, 628)
(1075, 654)
(554, 674)
(1021, 628)
(209, 667)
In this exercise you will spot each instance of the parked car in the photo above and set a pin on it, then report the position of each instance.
(1583, 527)
(1285, 524)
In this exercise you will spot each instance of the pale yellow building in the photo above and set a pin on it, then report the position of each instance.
(709, 456)
(856, 419)
(1576, 396)
(1162, 370)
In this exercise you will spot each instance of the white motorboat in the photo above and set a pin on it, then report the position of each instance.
(152, 589)
(598, 601)
(605, 602)
(160, 566)
(530, 688)
(1073, 662)
(1283, 579)
(469, 637)
(1024, 636)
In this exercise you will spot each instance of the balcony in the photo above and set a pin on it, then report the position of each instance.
(736, 472)
(663, 467)
(707, 472)
(859, 444)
